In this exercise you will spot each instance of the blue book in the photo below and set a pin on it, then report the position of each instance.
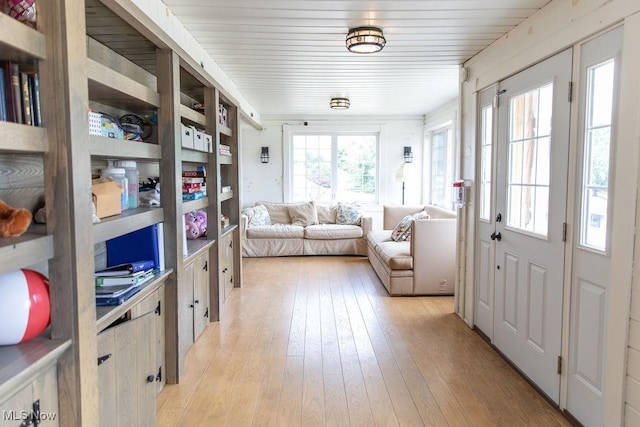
(3, 97)
(118, 299)
(139, 245)
(127, 268)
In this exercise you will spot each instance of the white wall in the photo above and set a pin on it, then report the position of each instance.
(559, 25)
(265, 181)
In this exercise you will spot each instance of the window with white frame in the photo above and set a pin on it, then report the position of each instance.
(442, 167)
(334, 166)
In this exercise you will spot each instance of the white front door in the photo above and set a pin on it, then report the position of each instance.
(531, 200)
(599, 69)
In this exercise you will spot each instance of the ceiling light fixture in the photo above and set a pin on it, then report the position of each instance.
(365, 40)
(340, 103)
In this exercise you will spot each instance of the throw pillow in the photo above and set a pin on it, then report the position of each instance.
(278, 212)
(402, 231)
(257, 215)
(421, 215)
(303, 214)
(348, 213)
(326, 214)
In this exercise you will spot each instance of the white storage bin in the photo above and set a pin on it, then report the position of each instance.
(187, 136)
(198, 140)
(208, 142)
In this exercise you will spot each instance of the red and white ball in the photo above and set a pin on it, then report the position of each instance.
(24, 306)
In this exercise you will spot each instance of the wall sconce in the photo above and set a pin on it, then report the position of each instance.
(264, 155)
(408, 155)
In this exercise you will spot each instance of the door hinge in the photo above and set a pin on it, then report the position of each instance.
(158, 309)
(564, 231)
(570, 92)
(159, 374)
(559, 365)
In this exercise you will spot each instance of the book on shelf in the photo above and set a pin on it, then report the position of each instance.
(3, 97)
(193, 196)
(192, 181)
(34, 85)
(127, 268)
(198, 187)
(108, 300)
(25, 96)
(194, 174)
(113, 291)
(131, 279)
(12, 91)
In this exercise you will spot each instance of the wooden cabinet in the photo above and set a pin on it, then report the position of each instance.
(194, 310)
(127, 373)
(28, 382)
(226, 255)
(130, 364)
(111, 57)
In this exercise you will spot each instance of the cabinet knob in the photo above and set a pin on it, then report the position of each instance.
(197, 301)
(151, 378)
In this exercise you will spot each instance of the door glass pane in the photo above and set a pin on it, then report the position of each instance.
(486, 139)
(597, 146)
(529, 160)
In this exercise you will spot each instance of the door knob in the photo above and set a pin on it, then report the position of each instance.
(495, 236)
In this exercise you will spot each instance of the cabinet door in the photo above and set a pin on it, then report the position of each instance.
(44, 391)
(185, 310)
(226, 266)
(200, 295)
(154, 303)
(126, 376)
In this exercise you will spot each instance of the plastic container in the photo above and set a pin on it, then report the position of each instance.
(119, 176)
(133, 178)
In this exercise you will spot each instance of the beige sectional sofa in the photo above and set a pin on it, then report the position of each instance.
(293, 230)
(424, 264)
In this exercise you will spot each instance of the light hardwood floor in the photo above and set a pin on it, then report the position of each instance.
(315, 341)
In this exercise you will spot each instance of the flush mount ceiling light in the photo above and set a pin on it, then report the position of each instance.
(365, 40)
(340, 103)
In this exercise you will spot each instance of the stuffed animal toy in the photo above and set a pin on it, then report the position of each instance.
(13, 222)
(196, 224)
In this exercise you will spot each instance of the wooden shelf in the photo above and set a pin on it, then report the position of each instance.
(195, 247)
(228, 229)
(193, 205)
(128, 221)
(225, 130)
(32, 247)
(122, 149)
(193, 115)
(19, 138)
(225, 196)
(194, 156)
(105, 315)
(20, 43)
(109, 87)
(20, 364)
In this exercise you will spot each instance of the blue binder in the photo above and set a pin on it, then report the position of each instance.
(134, 246)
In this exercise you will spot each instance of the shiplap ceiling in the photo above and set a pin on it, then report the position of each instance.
(288, 57)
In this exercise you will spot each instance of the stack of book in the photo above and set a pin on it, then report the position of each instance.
(225, 150)
(194, 185)
(117, 284)
(19, 95)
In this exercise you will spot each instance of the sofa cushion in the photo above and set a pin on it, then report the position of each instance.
(278, 231)
(397, 255)
(278, 212)
(333, 231)
(257, 215)
(348, 213)
(303, 214)
(326, 213)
